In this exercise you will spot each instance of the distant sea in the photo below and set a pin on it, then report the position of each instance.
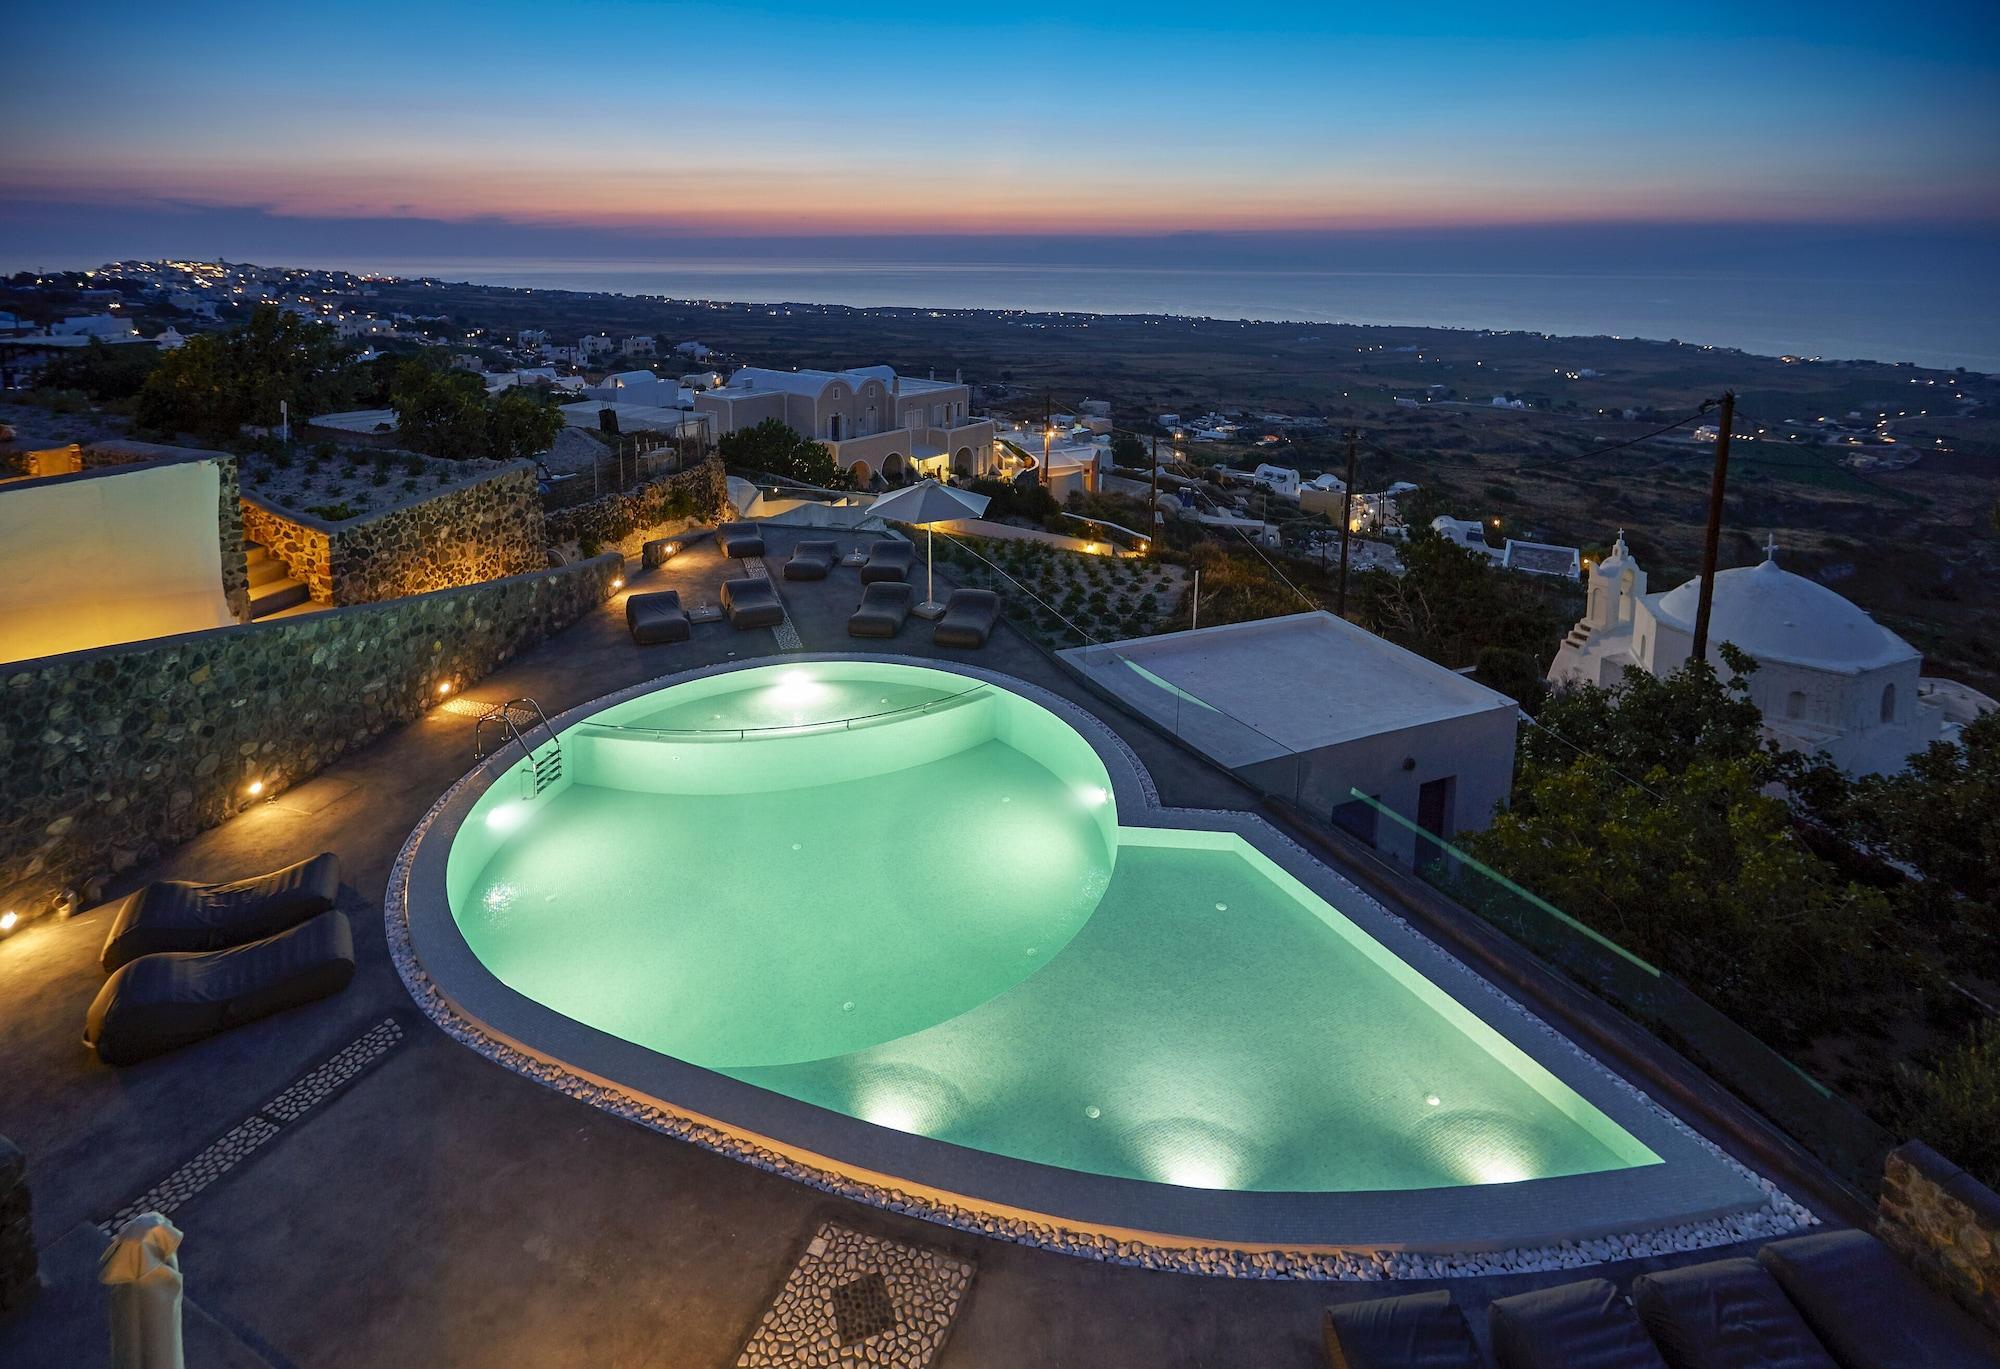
(1942, 321)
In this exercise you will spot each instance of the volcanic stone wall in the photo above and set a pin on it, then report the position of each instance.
(1947, 1222)
(701, 493)
(486, 528)
(111, 756)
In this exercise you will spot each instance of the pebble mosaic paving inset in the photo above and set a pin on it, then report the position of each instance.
(787, 632)
(290, 1104)
(858, 1299)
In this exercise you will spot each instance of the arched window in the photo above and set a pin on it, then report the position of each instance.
(1795, 704)
(1888, 703)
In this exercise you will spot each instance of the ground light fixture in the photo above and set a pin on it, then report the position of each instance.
(444, 688)
(9, 920)
(254, 788)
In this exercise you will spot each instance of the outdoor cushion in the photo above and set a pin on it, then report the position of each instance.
(177, 915)
(1573, 1326)
(1725, 1314)
(751, 602)
(888, 560)
(969, 616)
(159, 1003)
(740, 539)
(811, 561)
(1870, 1309)
(656, 617)
(884, 607)
(1416, 1331)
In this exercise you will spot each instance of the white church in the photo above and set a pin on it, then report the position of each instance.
(1829, 677)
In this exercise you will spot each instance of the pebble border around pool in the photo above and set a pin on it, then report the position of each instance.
(1779, 1216)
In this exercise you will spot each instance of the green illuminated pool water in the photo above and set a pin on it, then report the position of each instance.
(905, 896)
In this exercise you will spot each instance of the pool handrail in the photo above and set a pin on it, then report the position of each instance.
(743, 733)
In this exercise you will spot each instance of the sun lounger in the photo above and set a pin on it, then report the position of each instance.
(1725, 1314)
(1584, 1325)
(884, 607)
(159, 1003)
(811, 561)
(1868, 1308)
(969, 616)
(176, 915)
(752, 602)
(656, 617)
(1416, 1331)
(888, 560)
(740, 539)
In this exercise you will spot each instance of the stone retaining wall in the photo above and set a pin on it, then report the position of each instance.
(228, 510)
(111, 756)
(1947, 1223)
(481, 529)
(702, 492)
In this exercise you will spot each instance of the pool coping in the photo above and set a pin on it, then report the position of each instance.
(1696, 1197)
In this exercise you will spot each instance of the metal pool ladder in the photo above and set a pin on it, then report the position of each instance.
(548, 766)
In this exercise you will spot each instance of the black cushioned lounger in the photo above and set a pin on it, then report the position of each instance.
(159, 1003)
(884, 606)
(1725, 1314)
(811, 561)
(656, 617)
(740, 539)
(888, 560)
(752, 602)
(969, 616)
(1416, 1331)
(1868, 1308)
(1583, 1325)
(175, 915)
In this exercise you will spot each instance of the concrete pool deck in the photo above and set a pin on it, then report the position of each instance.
(438, 1207)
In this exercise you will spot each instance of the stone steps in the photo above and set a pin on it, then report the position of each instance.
(273, 591)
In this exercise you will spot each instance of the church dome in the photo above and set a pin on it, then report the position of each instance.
(1778, 616)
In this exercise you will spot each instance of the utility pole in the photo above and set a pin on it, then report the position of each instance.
(1346, 520)
(1712, 541)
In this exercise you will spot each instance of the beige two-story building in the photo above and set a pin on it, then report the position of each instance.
(876, 423)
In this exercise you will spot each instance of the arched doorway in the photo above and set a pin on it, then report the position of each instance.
(892, 468)
(862, 474)
(962, 463)
(1888, 703)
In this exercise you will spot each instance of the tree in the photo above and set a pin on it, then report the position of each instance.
(774, 446)
(104, 373)
(214, 383)
(1955, 1103)
(1940, 817)
(522, 423)
(1451, 605)
(1128, 451)
(439, 412)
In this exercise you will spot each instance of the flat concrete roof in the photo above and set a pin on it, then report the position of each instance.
(1260, 689)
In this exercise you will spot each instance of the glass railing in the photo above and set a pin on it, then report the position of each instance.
(801, 727)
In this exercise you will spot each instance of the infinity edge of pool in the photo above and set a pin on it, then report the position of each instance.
(1690, 1184)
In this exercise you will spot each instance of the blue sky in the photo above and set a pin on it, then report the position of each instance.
(644, 122)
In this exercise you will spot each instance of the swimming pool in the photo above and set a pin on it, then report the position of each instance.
(912, 924)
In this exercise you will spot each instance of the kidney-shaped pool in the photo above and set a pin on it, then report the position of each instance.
(885, 920)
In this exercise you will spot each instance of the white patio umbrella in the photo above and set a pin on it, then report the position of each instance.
(143, 1275)
(923, 504)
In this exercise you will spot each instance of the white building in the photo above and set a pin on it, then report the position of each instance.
(1468, 533)
(1319, 709)
(875, 422)
(699, 351)
(1829, 677)
(106, 326)
(531, 337)
(637, 347)
(597, 345)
